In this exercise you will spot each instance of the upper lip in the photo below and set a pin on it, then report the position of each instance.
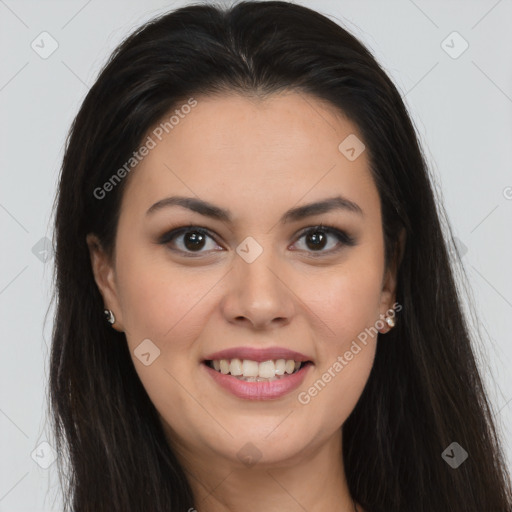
(258, 354)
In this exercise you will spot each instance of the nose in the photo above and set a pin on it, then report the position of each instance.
(259, 294)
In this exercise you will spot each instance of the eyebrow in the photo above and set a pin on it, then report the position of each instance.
(292, 215)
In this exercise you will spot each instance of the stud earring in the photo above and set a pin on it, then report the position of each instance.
(109, 315)
(390, 321)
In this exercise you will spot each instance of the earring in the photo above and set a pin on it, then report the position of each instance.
(109, 315)
(390, 321)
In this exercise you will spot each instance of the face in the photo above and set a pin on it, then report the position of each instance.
(258, 280)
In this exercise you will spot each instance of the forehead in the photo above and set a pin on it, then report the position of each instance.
(290, 124)
(283, 147)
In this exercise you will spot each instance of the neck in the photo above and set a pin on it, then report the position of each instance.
(314, 481)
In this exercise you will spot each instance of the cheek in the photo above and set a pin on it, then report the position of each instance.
(154, 293)
(346, 300)
(345, 358)
(163, 304)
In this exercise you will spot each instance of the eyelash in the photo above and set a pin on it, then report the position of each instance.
(344, 238)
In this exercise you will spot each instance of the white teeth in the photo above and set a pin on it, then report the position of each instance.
(290, 366)
(235, 367)
(253, 371)
(224, 366)
(280, 366)
(250, 368)
(267, 369)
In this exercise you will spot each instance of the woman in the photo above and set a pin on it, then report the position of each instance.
(244, 198)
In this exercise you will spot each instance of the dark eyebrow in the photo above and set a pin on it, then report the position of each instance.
(294, 214)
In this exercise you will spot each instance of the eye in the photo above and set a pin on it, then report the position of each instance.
(193, 239)
(317, 238)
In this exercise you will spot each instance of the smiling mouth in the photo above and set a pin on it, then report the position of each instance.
(254, 371)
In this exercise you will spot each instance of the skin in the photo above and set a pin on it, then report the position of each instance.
(256, 158)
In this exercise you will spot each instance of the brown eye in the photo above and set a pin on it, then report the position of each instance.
(190, 239)
(317, 239)
(194, 240)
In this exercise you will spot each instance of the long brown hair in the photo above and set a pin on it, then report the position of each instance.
(424, 391)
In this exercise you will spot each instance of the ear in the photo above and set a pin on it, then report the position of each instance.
(104, 275)
(388, 294)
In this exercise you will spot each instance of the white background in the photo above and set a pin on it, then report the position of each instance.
(461, 106)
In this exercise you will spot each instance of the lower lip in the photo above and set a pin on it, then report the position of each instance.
(259, 390)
